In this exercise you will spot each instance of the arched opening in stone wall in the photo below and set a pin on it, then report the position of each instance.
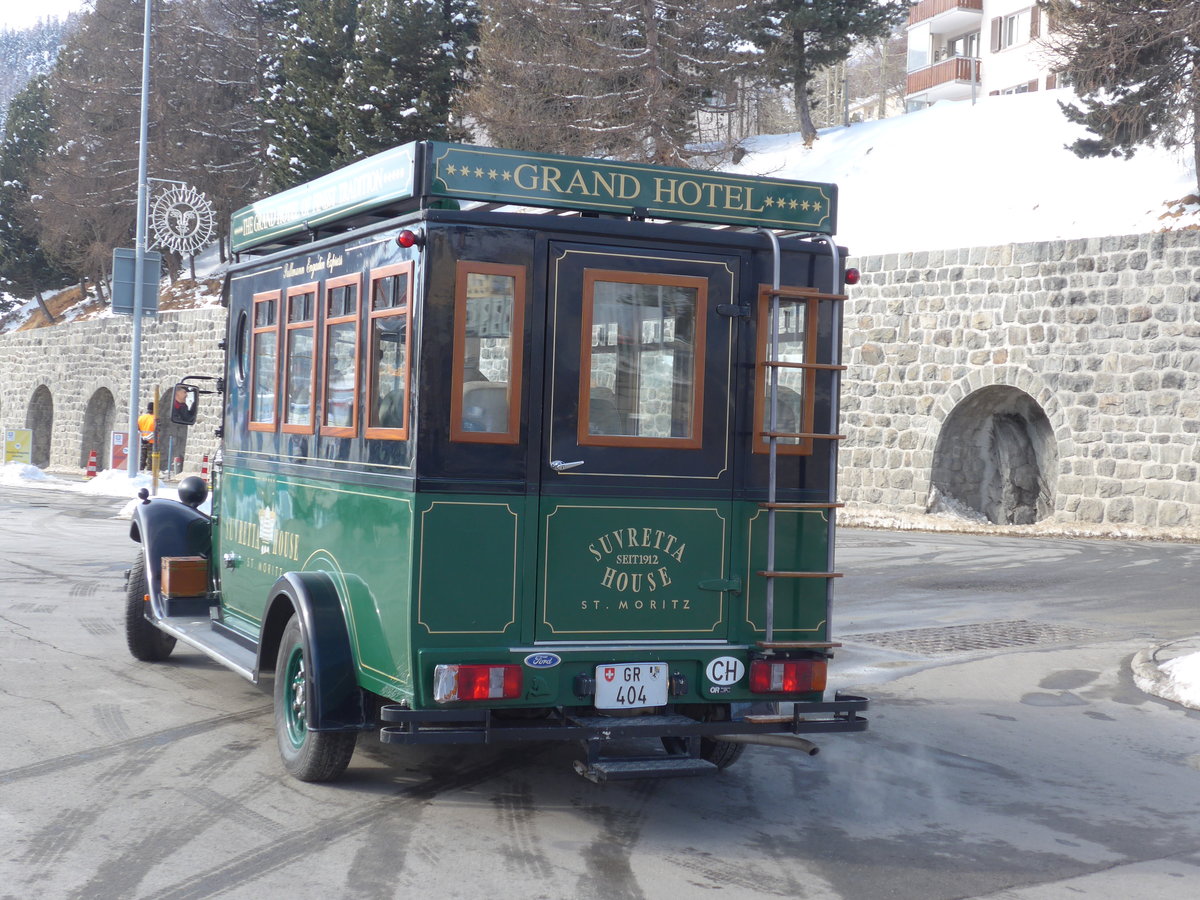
(997, 455)
(39, 419)
(99, 417)
(172, 438)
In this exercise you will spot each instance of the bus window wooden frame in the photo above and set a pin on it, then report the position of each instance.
(252, 376)
(584, 437)
(327, 322)
(405, 309)
(516, 390)
(285, 378)
(804, 446)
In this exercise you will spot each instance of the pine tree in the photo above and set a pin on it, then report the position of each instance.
(348, 78)
(408, 64)
(28, 53)
(1134, 67)
(801, 37)
(624, 78)
(24, 269)
(313, 42)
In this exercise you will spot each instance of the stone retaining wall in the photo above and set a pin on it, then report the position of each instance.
(83, 370)
(1091, 348)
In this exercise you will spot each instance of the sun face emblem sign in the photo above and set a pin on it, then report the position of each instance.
(182, 219)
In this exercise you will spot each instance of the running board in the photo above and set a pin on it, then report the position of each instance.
(616, 769)
(203, 636)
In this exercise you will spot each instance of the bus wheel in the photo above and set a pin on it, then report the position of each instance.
(721, 754)
(307, 755)
(145, 641)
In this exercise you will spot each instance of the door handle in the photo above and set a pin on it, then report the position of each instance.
(559, 466)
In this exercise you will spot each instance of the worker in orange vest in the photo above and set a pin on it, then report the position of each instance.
(146, 426)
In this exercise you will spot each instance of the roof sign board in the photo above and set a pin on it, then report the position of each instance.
(463, 172)
(538, 179)
(375, 181)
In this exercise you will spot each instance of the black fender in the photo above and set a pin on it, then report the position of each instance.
(167, 527)
(335, 701)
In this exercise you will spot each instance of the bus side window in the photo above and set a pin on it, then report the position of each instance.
(489, 337)
(389, 352)
(339, 407)
(264, 362)
(797, 330)
(298, 349)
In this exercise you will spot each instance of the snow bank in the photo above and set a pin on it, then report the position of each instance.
(963, 175)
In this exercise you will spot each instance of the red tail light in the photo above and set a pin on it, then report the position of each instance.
(793, 676)
(456, 683)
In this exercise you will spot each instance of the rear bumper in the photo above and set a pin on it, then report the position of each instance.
(483, 726)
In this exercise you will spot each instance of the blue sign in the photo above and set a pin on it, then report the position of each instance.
(124, 281)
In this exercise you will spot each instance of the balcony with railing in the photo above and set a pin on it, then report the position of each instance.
(946, 16)
(950, 79)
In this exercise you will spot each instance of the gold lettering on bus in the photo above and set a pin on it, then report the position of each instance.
(518, 176)
(628, 538)
(634, 558)
(689, 192)
(247, 534)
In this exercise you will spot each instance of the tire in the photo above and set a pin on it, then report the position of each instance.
(721, 754)
(312, 756)
(145, 641)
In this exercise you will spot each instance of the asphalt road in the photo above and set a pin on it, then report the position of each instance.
(1009, 756)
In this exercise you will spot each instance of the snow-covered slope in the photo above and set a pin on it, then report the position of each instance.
(963, 175)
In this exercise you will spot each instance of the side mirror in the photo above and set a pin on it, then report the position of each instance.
(185, 404)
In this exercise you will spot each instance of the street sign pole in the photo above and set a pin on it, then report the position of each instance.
(140, 249)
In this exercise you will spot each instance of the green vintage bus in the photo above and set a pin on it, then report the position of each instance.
(519, 447)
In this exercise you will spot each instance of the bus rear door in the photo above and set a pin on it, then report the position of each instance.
(637, 449)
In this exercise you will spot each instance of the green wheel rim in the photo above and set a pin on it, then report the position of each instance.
(295, 698)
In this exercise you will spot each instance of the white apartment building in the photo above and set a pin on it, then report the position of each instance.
(965, 49)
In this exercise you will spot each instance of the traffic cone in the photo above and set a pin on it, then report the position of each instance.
(204, 469)
(91, 466)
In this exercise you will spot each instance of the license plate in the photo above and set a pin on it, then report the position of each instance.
(631, 685)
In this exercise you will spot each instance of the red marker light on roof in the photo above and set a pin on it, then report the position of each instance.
(408, 238)
(853, 276)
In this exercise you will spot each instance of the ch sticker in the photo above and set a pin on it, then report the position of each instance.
(725, 670)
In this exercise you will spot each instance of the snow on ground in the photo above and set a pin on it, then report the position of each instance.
(1183, 675)
(109, 483)
(963, 175)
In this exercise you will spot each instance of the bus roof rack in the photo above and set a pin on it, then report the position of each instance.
(431, 174)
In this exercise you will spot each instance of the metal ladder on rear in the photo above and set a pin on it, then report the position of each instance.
(773, 364)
